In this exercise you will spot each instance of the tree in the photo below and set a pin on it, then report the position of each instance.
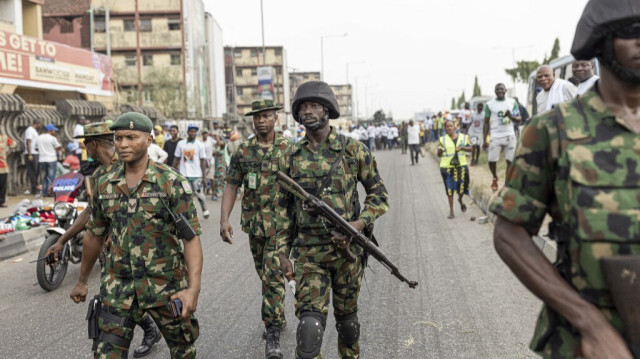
(555, 52)
(524, 68)
(379, 117)
(453, 103)
(168, 92)
(461, 100)
(476, 88)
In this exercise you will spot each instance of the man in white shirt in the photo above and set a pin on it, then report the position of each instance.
(393, 135)
(476, 133)
(209, 145)
(48, 148)
(583, 72)
(78, 130)
(157, 154)
(554, 91)
(31, 152)
(498, 114)
(413, 139)
(371, 133)
(286, 133)
(191, 160)
(384, 135)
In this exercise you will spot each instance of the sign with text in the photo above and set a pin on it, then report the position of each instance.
(265, 83)
(27, 61)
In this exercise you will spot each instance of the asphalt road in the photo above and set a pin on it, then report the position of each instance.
(467, 304)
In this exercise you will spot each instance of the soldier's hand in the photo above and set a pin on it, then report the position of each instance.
(189, 298)
(286, 267)
(341, 241)
(602, 341)
(79, 292)
(226, 232)
(55, 249)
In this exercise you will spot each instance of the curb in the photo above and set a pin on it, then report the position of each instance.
(483, 197)
(16, 243)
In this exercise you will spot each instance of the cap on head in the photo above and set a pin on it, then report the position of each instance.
(72, 147)
(315, 91)
(50, 127)
(204, 130)
(192, 127)
(262, 105)
(96, 129)
(133, 121)
(599, 19)
(157, 127)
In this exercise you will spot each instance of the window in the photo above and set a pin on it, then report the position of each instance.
(238, 72)
(145, 25)
(278, 71)
(131, 95)
(239, 91)
(129, 25)
(130, 60)
(254, 72)
(176, 59)
(254, 92)
(254, 53)
(278, 51)
(237, 53)
(147, 95)
(147, 60)
(174, 24)
(98, 25)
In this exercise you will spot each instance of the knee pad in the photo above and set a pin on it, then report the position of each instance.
(348, 328)
(309, 334)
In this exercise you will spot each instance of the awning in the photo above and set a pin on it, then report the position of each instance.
(71, 107)
(45, 116)
(11, 103)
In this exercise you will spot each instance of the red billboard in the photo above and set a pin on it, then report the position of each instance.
(30, 62)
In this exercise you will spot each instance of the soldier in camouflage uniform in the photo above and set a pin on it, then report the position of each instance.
(579, 163)
(255, 165)
(320, 269)
(147, 265)
(98, 140)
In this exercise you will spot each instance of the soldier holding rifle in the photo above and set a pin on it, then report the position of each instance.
(329, 166)
(579, 162)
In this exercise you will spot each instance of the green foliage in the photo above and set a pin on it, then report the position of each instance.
(523, 68)
(168, 92)
(461, 100)
(555, 52)
(379, 117)
(476, 88)
(453, 103)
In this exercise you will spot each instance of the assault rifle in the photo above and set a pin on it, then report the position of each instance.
(310, 201)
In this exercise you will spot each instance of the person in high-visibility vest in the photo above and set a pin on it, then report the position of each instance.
(453, 164)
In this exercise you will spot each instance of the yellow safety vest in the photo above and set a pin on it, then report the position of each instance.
(450, 150)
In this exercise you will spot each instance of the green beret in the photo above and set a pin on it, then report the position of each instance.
(134, 121)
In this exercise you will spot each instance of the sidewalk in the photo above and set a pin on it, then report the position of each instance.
(481, 193)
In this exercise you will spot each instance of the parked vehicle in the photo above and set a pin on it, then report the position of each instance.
(68, 192)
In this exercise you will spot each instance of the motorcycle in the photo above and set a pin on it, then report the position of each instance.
(69, 201)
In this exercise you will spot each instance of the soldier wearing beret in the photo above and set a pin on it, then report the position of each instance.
(147, 266)
(579, 163)
(255, 165)
(328, 165)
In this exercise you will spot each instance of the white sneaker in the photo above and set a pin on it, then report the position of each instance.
(27, 192)
(206, 214)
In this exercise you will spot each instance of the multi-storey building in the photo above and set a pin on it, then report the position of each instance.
(164, 52)
(241, 68)
(344, 95)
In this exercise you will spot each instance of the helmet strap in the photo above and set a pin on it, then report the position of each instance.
(608, 59)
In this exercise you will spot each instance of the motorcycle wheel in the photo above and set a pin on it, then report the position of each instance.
(50, 276)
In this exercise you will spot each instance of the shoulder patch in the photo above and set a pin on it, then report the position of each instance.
(186, 186)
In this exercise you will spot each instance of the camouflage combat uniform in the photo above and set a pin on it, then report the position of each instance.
(146, 263)
(318, 265)
(580, 164)
(258, 206)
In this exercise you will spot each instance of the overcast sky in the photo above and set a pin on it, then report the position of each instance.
(419, 54)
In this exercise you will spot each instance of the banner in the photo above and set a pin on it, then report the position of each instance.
(27, 61)
(265, 83)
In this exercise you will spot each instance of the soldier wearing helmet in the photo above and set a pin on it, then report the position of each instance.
(579, 163)
(328, 165)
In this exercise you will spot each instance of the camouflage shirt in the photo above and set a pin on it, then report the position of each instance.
(102, 169)
(580, 164)
(146, 262)
(255, 167)
(308, 167)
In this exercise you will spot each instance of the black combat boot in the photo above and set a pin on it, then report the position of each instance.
(272, 346)
(152, 335)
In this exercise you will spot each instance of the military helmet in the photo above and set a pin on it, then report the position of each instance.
(599, 20)
(316, 91)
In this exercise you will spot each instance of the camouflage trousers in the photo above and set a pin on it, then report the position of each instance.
(179, 335)
(267, 263)
(316, 281)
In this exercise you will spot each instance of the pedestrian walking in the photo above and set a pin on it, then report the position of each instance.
(48, 148)
(404, 137)
(476, 133)
(158, 136)
(393, 136)
(7, 144)
(371, 132)
(31, 154)
(77, 131)
(171, 144)
(220, 172)
(453, 164)
(98, 140)
(147, 267)
(465, 118)
(254, 166)
(413, 139)
(428, 128)
(498, 114)
(190, 159)
(320, 270)
(579, 164)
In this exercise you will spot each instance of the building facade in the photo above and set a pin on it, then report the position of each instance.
(162, 54)
(242, 80)
(343, 93)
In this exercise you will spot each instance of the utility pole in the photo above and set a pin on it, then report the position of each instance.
(264, 52)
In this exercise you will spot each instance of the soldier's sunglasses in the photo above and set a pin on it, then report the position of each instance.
(628, 32)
